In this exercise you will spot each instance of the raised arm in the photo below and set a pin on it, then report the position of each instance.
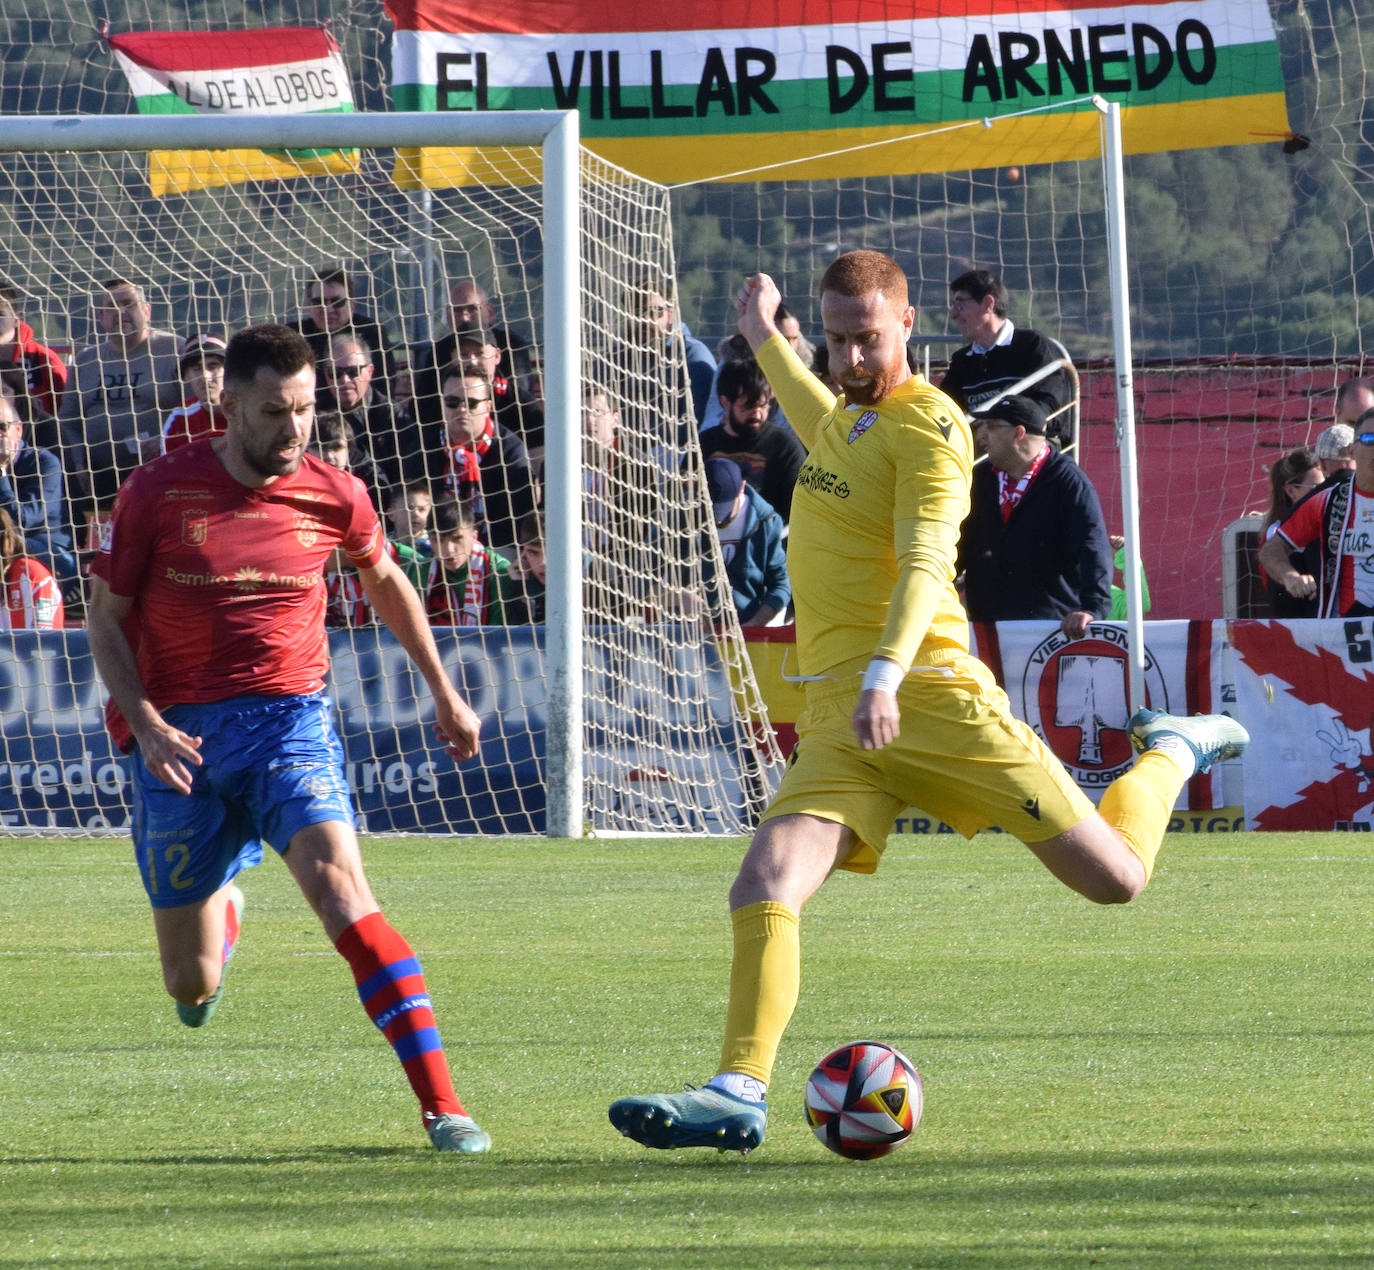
(804, 399)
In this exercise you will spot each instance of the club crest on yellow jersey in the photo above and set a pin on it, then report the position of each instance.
(862, 425)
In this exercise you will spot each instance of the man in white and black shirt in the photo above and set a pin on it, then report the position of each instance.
(999, 353)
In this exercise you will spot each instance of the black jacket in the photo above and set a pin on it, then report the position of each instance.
(1051, 557)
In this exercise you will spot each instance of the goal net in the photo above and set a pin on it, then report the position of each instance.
(422, 304)
(1248, 270)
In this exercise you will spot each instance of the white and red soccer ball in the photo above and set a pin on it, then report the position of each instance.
(863, 1100)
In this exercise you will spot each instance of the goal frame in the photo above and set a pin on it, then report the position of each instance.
(556, 135)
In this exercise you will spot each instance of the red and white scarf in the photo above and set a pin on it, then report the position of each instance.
(443, 604)
(345, 602)
(1009, 496)
(465, 459)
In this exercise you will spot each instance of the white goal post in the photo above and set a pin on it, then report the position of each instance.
(565, 362)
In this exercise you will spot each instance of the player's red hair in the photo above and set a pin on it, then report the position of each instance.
(864, 272)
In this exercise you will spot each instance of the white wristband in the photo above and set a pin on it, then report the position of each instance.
(883, 676)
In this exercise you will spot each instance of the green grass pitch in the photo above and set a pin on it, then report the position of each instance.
(1184, 1081)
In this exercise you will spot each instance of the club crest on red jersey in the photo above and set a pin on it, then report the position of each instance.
(862, 425)
(307, 529)
(195, 528)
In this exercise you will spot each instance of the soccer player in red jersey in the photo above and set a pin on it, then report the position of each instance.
(207, 623)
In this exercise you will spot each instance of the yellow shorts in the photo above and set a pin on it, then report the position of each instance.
(961, 756)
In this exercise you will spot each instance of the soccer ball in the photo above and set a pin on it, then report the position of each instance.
(863, 1100)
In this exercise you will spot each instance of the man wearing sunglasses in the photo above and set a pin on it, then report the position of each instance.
(478, 461)
(348, 381)
(1339, 518)
(330, 310)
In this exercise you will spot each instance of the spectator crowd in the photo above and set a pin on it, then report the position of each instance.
(448, 438)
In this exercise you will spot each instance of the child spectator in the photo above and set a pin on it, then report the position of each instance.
(409, 508)
(31, 494)
(31, 371)
(465, 584)
(528, 577)
(1118, 610)
(202, 378)
(33, 600)
(333, 443)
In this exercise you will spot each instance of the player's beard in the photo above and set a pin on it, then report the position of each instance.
(869, 390)
(265, 460)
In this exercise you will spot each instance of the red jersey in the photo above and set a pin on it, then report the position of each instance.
(1307, 523)
(190, 423)
(33, 600)
(228, 581)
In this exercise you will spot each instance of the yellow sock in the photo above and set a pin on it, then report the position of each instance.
(765, 979)
(1138, 804)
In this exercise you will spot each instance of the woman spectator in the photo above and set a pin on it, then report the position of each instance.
(33, 600)
(1291, 479)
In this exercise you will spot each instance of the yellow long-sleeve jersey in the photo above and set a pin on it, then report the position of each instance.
(875, 521)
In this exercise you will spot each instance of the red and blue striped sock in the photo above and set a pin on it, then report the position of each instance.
(231, 933)
(391, 986)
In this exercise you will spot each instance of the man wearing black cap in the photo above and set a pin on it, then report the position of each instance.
(479, 353)
(202, 377)
(1034, 544)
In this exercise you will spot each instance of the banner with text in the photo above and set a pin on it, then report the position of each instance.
(787, 90)
(270, 71)
(1305, 690)
(59, 771)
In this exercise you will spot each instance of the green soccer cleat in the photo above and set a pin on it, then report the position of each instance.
(697, 1118)
(199, 1015)
(1213, 738)
(450, 1132)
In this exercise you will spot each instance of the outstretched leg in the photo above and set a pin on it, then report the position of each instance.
(1110, 855)
(325, 861)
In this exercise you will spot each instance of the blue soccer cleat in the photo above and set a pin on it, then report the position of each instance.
(460, 1134)
(696, 1118)
(1213, 738)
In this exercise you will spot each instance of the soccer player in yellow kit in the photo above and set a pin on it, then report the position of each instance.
(898, 712)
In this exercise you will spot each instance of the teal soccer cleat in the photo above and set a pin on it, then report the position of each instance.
(199, 1015)
(697, 1118)
(459, 1134)
(1213, 738)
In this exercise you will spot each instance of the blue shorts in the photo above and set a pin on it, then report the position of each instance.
(270, 767)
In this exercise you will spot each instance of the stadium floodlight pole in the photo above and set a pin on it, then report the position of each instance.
(1113, 172)
(556, 134)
